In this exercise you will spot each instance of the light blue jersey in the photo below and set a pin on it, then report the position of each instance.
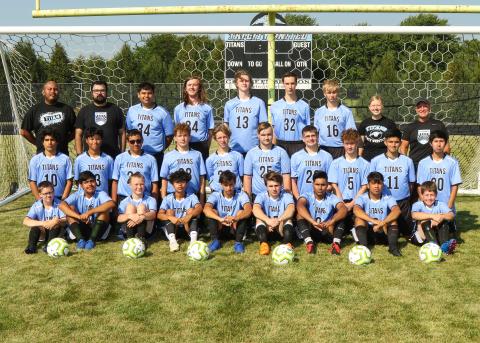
(191, 161)
(305, 164)
(438, 207)
(149, 202)
(216, 164)
(101, 167)
(82, 204)
(258, 162)
(377, 209)
(126, 165)
(332, 123)
(39, 212)
(398, 174)
(56, 169)
(289, 119)
(198, 117)
(154, 123)
(445, 173)
(274, 208)
(350, 176)
(242, 117)
(228, 207)
(181, 206)
(321, 210)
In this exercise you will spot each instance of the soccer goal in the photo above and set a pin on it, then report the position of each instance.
(399, 63)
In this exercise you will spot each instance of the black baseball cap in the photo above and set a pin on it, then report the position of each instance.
(422, 100)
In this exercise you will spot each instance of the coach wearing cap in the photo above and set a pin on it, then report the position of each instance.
(415, 136)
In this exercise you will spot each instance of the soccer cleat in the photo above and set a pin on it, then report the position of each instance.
(310, 247)
(174, 246)
(335, 249)
(89, 245)
(264, 248)
(81, 244)
(239, 248)
(449, 246)
(395, 252)
(214, 245)
(30, 250)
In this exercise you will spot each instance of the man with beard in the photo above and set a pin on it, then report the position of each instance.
(103, 115)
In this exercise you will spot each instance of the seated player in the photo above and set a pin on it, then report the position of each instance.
(50, 165)
(87, 211)
(273, 210)
(229, 210)
(180, 209)
(432, 218)
(94, 160)
(223, 159)
(44, 216)
(320, 215)
(376, 216)
(138, 210)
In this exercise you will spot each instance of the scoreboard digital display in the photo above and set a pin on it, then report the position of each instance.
(293, 52)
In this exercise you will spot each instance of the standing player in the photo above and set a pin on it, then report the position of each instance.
(228, 210)
(332, 119)
(373, 130)
(50, 113)
(223, 159)
(195, 111)
(243, 114)
(264, 158)
(289, 116)
(273, 210)
(104, 116)
(308, 160)
(153, 121)
(376, 216)
(321, 214)
(94, 160)
(51, 166)
(399, 174)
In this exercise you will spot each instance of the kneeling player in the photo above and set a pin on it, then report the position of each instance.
(44, 216)
(180, 210)
(87, 211)
(320, 214)
(230, 210)
(273, 210)
(432, 219)
(138, 210)
(376, 216)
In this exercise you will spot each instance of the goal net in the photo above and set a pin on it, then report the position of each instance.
(400, 67)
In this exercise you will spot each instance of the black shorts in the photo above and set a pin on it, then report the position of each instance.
(159, 158)
(203, 147)
(336, 152)
(405, 224)
(291, 147)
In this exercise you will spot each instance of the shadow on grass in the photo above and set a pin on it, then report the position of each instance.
(14, 209)
(466, 221)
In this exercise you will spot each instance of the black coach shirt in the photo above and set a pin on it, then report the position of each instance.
(417, 134)
(374, 132)
(58, 116)
(109, 119)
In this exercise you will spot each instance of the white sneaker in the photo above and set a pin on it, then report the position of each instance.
(174, 246)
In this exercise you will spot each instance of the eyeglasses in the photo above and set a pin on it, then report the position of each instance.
(135, 141)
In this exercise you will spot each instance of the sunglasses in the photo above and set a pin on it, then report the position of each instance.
(135, 141)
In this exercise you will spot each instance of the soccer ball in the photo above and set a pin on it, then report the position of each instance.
(359, 255)
(57, 247)
(133, 248)
(283, 254)
(430, 252)
(198, 251)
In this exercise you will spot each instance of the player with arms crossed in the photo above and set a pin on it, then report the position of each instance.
(243, 113)
(273, 210)
(376, 216)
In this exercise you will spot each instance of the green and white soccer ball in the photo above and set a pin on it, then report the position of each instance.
(133, 248)
(283, 254)
(57, 247)
(198, 251)
(360, 255)
(430, 252)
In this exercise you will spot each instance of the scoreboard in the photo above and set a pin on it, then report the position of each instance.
(293, 52)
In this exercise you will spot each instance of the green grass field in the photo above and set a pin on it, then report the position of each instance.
(101, 296)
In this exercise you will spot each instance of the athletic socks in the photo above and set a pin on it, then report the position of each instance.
(288, 234)
(360, 235)
(428, 232)
(392, 235)
(193, 236)
(97, 227)
(75, 228)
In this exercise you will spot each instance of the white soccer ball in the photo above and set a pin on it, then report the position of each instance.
(430, 252)
(283, 254)
(360, 255)
(198, 251)
(57, 247)
(133, 248)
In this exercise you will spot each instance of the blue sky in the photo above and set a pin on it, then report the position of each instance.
(19, 13)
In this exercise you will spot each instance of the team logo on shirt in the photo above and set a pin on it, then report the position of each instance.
(375, 133)
(100, 118)
(423, 136)
(51, 118)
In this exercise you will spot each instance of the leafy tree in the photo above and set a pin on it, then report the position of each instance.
(59, 68)
(36, 65)
(125, 60)
(300, 20)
